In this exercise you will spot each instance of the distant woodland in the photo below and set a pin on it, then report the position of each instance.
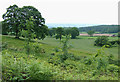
(101, 28)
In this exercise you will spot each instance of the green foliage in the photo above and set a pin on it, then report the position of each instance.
(11, 20)
(38, 71)
(65, 48)
(52, 31)
(67, 31)
(80, 65)
(56, 50)
(91, 32)
(55, 59)
(59, 32)
(4, 45)
(29, 34)
(5, 28)
(101, 28)
(36, 48)
(15, 20)
(101, 41)
(74, 32)
(115, 42)
(59, 58)
(20, 68)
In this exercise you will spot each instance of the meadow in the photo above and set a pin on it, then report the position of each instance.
(83, 44)
(80, 65)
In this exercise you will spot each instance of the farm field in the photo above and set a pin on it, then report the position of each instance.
(74, 69)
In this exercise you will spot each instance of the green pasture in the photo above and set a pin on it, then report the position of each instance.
(83, 45)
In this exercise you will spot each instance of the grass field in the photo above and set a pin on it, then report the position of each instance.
(84, 45)
(16, 62)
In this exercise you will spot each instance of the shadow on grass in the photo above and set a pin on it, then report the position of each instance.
(22, 39)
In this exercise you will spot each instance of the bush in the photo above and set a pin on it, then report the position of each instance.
(39, 71)
(54, 60)
(34, 48)
(113, 68)
(115, 41)
(4, 45)
(101, 41)
(112, 42)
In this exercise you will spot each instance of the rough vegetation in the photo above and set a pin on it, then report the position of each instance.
(59, 65)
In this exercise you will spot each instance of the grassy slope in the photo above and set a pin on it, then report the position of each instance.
(83, 46)
(80, 47)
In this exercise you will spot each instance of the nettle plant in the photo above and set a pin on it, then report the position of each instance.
(62, 54)
(101, 59)
(28, 33)
(65, 48)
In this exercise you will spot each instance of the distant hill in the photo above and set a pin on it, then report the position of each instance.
(100, 28)
(51, 25)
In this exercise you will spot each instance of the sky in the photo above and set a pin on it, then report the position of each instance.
(70, 11)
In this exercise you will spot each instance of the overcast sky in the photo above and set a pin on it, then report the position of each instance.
(70, 11)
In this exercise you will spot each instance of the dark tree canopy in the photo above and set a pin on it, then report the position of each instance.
(91, 32)
(15, 20)
(101, 41)
(74, 32)
(68, 31)
(59, 32)
(12, 20)
(101, 28)
(52, 31)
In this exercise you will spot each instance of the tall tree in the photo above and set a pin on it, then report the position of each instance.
(52, 31)
(74, 32)
(15, 20)
(59, 32)
(40, 28)
(28, 33)
(91, 32)
(12, 19)
(67, 31)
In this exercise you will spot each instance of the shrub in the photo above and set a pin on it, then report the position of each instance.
(21, 68)
(101, 41)
(4, 45)
(55, 60)
(39, 71)
(113, 68)
(108, 46)
(36, 48)
(114, 42)
(91, 32)
(56, 50)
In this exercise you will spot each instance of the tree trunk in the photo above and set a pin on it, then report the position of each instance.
(16, 36)
(60, 37)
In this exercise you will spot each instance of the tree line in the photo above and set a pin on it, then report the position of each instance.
(60, 31)
(101, 28)
(17, 20)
